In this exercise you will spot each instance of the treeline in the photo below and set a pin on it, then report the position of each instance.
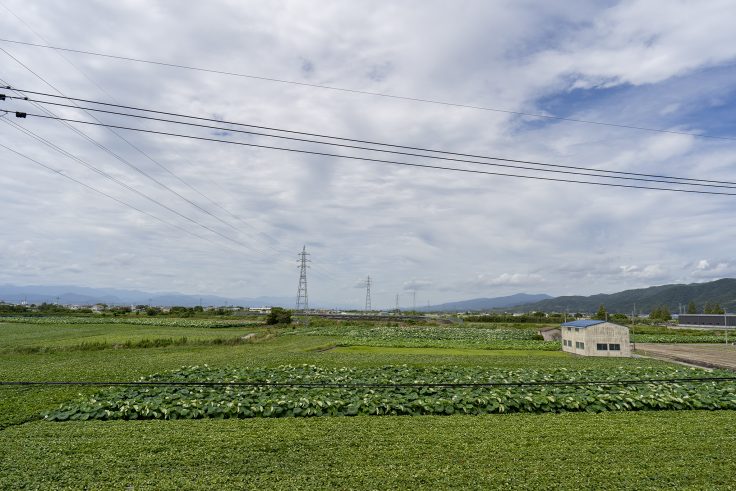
(41, 309)
(102, 309)
(533, 318)
(708, 308)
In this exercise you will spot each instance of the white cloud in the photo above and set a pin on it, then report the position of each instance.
(651, 271)
(508, 279)
(705, 269)
(403, 225)
(417, 284)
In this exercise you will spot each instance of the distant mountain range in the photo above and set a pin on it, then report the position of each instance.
(482, 304)
(721, 291)
(644, 300)
(77, 295)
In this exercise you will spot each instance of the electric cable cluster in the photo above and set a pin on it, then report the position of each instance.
(610, 178)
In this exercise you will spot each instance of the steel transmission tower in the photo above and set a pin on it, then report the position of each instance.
(368, 294)
(302, 300)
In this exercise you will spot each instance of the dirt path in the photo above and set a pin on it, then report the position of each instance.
(704, 355)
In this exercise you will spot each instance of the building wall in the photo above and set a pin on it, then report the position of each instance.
(604, 333)
(706, 320)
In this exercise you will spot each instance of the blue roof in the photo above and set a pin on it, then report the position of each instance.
(583, 323)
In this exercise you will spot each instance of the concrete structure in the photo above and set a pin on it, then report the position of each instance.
(595, 338)
(707, 320)
(551, 333)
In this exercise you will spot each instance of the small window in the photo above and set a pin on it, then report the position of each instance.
(577, 329)
(601, 347)
(579, 345)
(614, 347)
(569, 328)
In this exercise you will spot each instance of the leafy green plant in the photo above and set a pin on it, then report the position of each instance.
(435, 336)
(398, 390)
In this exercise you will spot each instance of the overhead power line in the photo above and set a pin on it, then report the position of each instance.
(331, 137)
(102, 89)
(392, 162)
(593, 173)
(366, 92)
(123, 184)
(98, 191)
(118, 157)
(102, 173)
(133, 189)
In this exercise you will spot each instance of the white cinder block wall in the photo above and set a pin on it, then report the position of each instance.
(603, 333)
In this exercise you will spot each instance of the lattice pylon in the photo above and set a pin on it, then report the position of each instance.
(302, 299)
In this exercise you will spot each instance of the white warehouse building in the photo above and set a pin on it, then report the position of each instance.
(595, 338)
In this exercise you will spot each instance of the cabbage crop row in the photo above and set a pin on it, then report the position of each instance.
(434, 336)
(194, 402)
(679, 338)
(138, 321)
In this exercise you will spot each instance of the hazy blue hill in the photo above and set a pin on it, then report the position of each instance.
(721, 291)
(69, 294)
(482, 304)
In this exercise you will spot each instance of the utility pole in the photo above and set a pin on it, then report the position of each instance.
(302, 300)
(633, 321)
(397, 303)
(368, 294)
(725, 325)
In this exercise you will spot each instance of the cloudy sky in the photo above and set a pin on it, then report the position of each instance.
(230, 219)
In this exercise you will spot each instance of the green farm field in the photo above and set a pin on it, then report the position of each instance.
(645, 449)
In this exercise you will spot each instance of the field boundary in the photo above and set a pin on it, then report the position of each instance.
(661, 352)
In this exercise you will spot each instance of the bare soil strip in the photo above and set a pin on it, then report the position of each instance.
(704, 355)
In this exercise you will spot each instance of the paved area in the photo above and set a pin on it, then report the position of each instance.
(701, 354)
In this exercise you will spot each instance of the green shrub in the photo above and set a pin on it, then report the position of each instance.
(278, 316)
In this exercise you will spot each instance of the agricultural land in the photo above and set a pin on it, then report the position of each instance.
(351, 405)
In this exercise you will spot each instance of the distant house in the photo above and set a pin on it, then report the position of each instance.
(595, 338)
(260, 310)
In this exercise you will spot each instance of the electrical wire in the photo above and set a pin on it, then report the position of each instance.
(370, 142)
(121, 183)
(62, 174)
(120, 159)
(395, 152)
(370, 93)
(132, 189)
(392, 162)
(101, 89)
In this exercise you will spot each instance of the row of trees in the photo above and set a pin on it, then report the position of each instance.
(708, 308)
(662, 312)
(55, 309)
